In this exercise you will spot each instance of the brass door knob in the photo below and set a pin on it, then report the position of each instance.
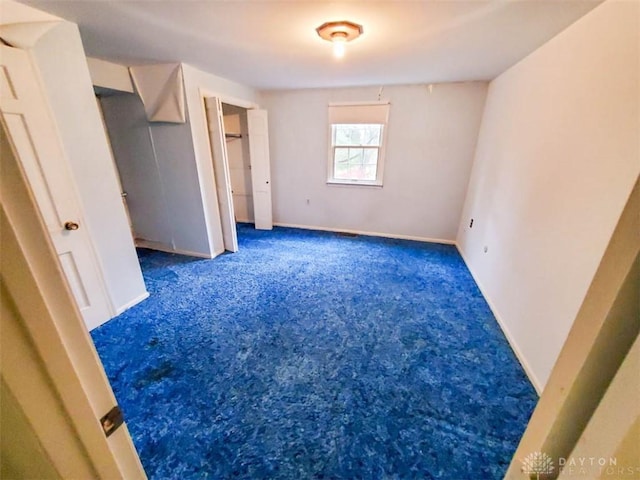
(71, 226)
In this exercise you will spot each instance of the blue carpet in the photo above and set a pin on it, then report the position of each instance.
(308, 355)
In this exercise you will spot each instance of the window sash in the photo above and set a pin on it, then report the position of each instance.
(357, 171)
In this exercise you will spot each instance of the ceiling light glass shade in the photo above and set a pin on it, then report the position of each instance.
(339, 41)
(339, 33)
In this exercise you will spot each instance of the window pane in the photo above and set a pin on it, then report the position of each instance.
(341, 136)
(341, 155)
(370, 172)
(341, 163)
(356, 156)
(370, 156)
(351, 163)
(370, 134)
(356, 134)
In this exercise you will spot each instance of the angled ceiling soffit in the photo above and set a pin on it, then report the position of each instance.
(161, 89)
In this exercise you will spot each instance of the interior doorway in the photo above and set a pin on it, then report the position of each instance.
(239, 141)
(100, 93)
(153, 181)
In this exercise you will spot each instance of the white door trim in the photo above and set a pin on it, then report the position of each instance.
(218, 147)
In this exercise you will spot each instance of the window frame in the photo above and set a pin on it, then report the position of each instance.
(378, 182)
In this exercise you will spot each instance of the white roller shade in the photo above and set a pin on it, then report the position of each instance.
(374, 112)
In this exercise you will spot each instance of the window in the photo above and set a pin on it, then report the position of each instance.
(357, 132)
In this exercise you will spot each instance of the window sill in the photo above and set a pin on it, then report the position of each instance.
(349, 183)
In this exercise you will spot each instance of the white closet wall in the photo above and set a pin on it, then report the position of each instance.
(139, 173)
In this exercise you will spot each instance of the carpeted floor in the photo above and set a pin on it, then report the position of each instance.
(310, 355)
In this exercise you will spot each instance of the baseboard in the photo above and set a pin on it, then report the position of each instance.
(369, 234)
(505, 330)
(165, 248)
(133, 302)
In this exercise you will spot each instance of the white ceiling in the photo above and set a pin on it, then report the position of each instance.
(273, 44)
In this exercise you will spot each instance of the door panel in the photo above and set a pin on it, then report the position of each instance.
(32, 132)
(260, 168)
(221, 171)
(70, 269)
(24, 145)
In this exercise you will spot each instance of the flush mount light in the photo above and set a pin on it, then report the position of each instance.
(339, 33)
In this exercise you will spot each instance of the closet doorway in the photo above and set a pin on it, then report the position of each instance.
(239, 141)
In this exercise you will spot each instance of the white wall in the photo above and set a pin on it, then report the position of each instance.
(134, 155)
(235, 122)
(600, 337)
(174, 150)
(430, 144)
(61, 62)
(197, 84)
(557, 157)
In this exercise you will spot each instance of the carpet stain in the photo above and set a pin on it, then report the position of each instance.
(155, 374)
(308, 355)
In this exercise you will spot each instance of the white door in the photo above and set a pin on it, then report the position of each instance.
(49, 367)
(30, 126)
(260, 168)
(221, 171)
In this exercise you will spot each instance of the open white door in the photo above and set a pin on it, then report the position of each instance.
(221, 171)
(260, 168)
(49, 368)
(32, 132)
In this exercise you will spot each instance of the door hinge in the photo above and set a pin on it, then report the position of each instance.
(112, 420)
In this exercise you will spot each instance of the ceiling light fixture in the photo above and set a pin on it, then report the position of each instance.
(339, 33)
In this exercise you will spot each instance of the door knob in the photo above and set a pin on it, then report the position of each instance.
(71, 226)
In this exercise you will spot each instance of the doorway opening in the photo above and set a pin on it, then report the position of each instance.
(153, 181)
(100, 93)
(237, 144)
(238, 137)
